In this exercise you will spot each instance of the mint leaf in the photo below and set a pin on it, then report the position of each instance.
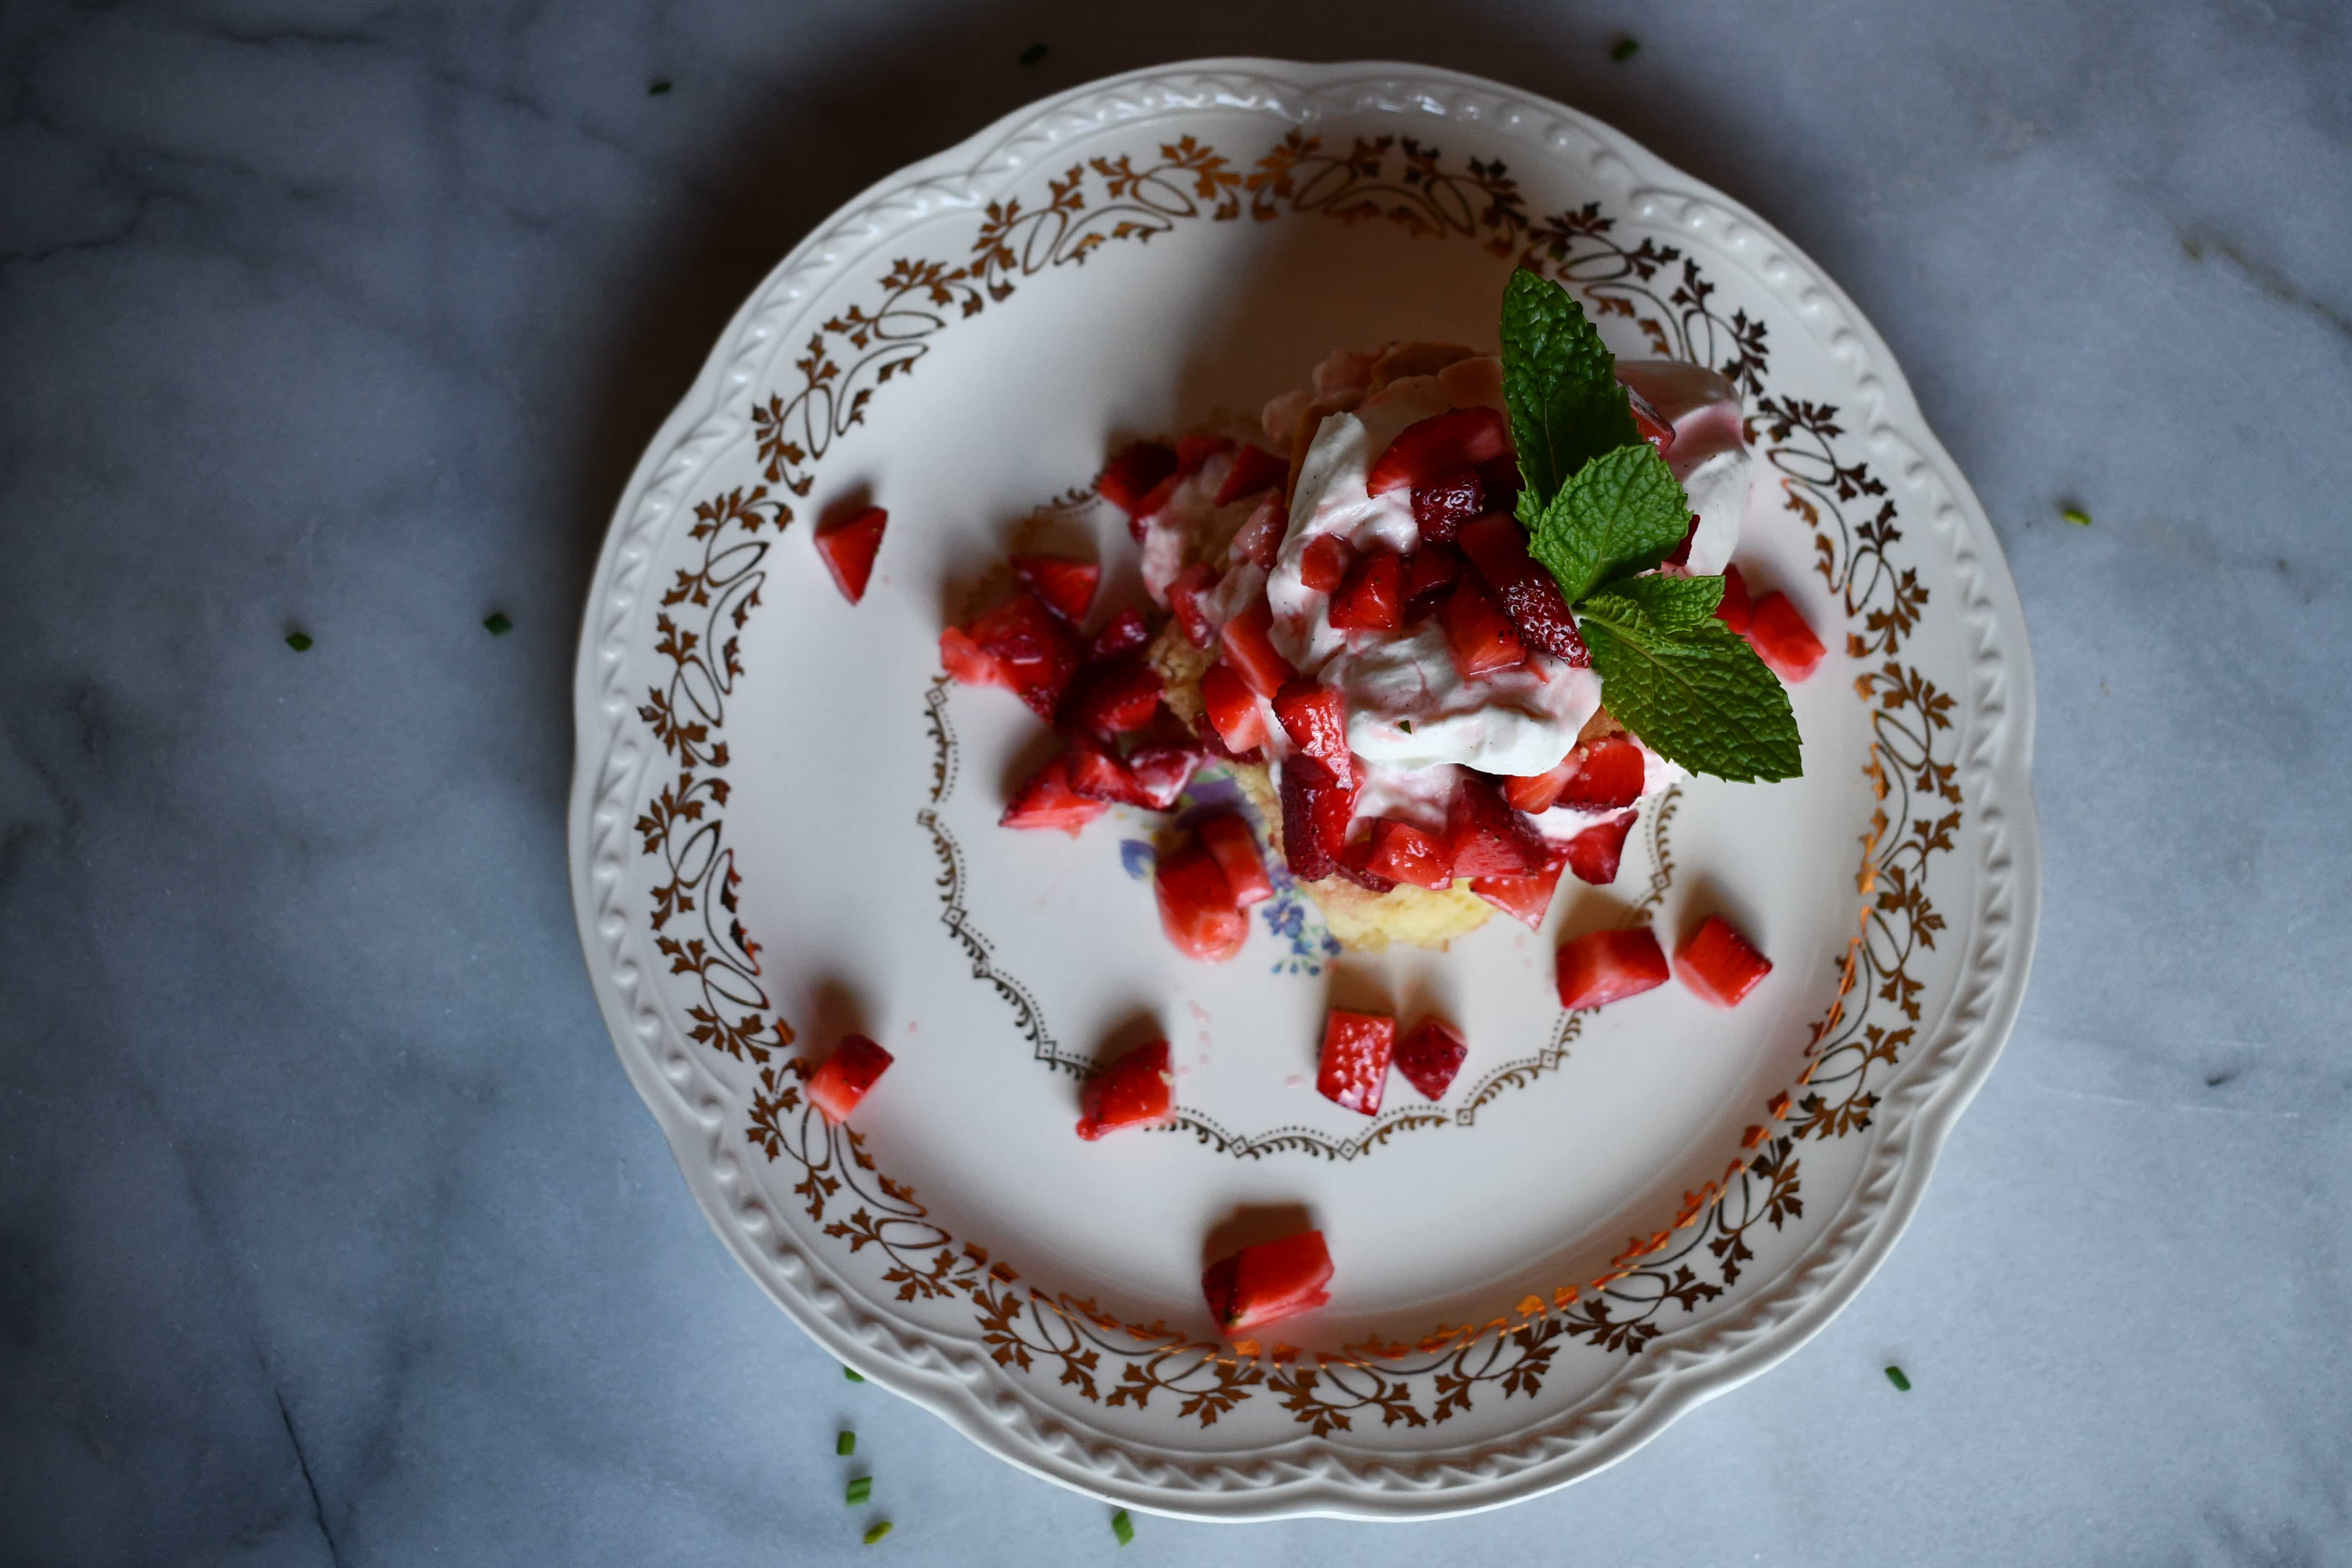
(1689, 685)
(1560, 381)
(1620, 512)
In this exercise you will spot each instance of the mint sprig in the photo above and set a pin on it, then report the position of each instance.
(1600, 507)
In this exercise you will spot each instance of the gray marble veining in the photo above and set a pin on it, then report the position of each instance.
(329, 1229)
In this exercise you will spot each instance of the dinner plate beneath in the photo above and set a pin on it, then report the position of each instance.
(783, 827)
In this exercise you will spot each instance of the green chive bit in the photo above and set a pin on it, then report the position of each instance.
(496, 624)
(1122, 1527)
(859, 1490)
(851, 1374)
(1625, 50)
(845, 1445)
(1032, 53)
(877, 1532)
(297, 641)
(2076, 515)
(1902, 1383)
(656, 89)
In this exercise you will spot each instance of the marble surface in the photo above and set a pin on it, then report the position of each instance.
(332, 1232)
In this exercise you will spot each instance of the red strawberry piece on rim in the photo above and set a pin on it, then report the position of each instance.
(1735, 610)
(1161, 771)
(1373, 598)
(1609, 775)
(1314, 717)
(1186, 596)
(1324, 565)
(1138, 1090)
(841, 1080)
(1498, 546)
(1123, 633)
(1593, 854)
(1048, 798)
(1719, 965)
(1608, 966)
(1525, 899)
(1260, 539)
(1316, 807)
(1429, 575)
(1489, 838)
(1193, 452)
(1233, 709)
(1254, 468)
(1112, 698)
(1404, 852)
(1442, 506)
(847, 549)
(1430, 1056)
(1134, 474)
(1653, 425)
(1067, 586)
(1196, 903)
(1034, 649)
(1477, 634)
(1249, 649)
(1434, 447)
(970, 663)
(1267, 1282)
(1229, 839)
(1781, 638)
(1354, 1068)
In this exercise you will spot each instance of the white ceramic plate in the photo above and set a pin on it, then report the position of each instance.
(783, 827)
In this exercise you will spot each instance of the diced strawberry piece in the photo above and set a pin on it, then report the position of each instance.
(1193, 452)
(1653, 425)
(1314, 717)
(968, 662)
(1184, 597)
(1594, 853)
(1035, 649)
(1525, 898)
(847, 549)
(1719, 965)
(1735, 610)
(1680, 556)
(1428, 577)
(1354, 1071)
(1138, 1090)
(1267, 1282)
(1402, 852)
(1113, 697)
(1355, 865)
(841, 1080)
(1373, 598)
(1049, 799)
(1498, 546)
(1230, 840)
(1323, 565)
(1154, 500)
(1161, 772)
(1442, 506)
(1251, 652)
(1428, 451)
(1096, 773)
(1260, 539)
(1608, 966)
(1067, 586)
(1500, 481)
(1123, 633)
(1490, 840)
(1782, 639)
(1254, 468)
(1134, 474)
(1534, 793)
(1477, 634)
(1196, 904)
(1430, 1056)
(1232, 708)
(1314, 811)
(1609, 775)
(1214, 744)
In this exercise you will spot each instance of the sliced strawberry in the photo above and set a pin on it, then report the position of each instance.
(1134, 474)
(1490, 840)
(1681, 557)
(1325, 563)
(1314, 717)
(1251, 652)
(1719, 965)
(1498, 546)
(1193, 452)
(1196, 904)
(1477, 634)
(1442, 506)
(1500, 481)
(1737, 610)
(1607, 966)
(1067, 586)
(1314, 811)
(1232, 708)
(1214, 744)
(1609, 775)
(1783, 640)
(1593, 854)
(1355, 865)
(1254, 468)
(1267, 1282)
(1373, 598)
(1429, 576)
(1354, 1071)
(1260, 539)
(1430, 1056)
(841, 1080)
(1428, 451)
(1230, 840)
(1184, 597)
(1525, 898)
(1160, 773)
(1653, 425)
(1136, 1090)
(847, 549)
(1124, 632)
(1534, 793)
(1402, 852)
(1050, 799)
(1112, 698)
(1035, 649)
(970, 663)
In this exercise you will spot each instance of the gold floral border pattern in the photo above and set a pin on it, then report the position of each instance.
(1028, 1328)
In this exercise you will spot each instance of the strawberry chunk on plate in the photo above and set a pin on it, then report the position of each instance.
(1185, 596)
(1498, 546)
(1067, 585)
(1488, 838)
(1607, 966)
(1193, 452)
(1049, 799)
(1136, 1090)
(841, 1080)
(1354, 1068)
(1134, 475)
(1250, 650)
(1653, 426)
(1267, 1282)
(1316, 808)
(1324, 565)
(1403, 852)
(1609, 776)
(1254, 468)
(1735, 610)
(1233, 709)
(1777, 632)
(1112, 698)
(1429, 576)
(1314, 717)
(1373, 598)
(1719, 965)
(1230, 840)
(1427, 451)
(1430, 1056)
(1442, 506)
(1197, 908)
(1534, 793)
(847, 549)
(1033, 647)
(1161, 771)
(1123, 633)
(1477, 634)
(1593, 854)
(1260, 539)
(970, 663)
